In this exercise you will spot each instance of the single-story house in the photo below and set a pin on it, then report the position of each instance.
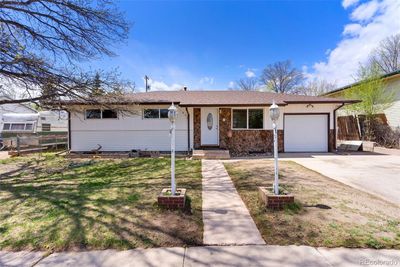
(237, 121)
(391, 81)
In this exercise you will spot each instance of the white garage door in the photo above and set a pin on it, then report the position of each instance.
(306, 133)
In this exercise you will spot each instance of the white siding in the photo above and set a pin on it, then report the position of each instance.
(129, 131)
(296, 108)
(13, 108)
(302, 108)
(393, 113)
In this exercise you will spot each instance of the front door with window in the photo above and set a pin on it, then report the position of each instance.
(209, 127)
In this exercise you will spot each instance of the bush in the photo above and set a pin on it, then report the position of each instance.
(386, 136)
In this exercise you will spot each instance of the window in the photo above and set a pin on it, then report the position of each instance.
(46, 127)
(256, 119)
(93, 114)
(101, 114)
(247, 118)
(29, 127)
(109, 114)
(155, 113)
(240, 118)
(164, 113)
(18, 127)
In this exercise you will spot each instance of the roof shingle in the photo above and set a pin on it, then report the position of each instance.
(213, 98)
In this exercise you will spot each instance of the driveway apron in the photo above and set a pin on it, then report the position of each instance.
(226, 218)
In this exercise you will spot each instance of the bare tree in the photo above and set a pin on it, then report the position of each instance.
(314, 87)
(281, 77)
(387, 55)
(43, 42)
(247, 84)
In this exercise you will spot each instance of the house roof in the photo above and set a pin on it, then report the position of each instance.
(210, 98)
(384, 77)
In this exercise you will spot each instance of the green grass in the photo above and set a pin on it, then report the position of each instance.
(52, 203)
(352, 218)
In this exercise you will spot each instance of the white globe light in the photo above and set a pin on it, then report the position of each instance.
(172, 113)
(274, 112)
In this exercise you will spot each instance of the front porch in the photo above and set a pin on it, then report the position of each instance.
(211, 153)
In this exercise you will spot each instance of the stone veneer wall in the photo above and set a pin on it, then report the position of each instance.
(331, 141)
(197, 128)
(245, 141)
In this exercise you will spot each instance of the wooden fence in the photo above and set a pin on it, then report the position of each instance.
(347, 128)
(23, 144)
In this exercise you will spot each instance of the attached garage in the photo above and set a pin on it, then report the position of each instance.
(306, 132)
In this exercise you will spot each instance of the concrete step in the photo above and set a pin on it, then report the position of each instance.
(211, 154)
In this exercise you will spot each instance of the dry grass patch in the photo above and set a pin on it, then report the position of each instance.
(52, 203)
(356, 219)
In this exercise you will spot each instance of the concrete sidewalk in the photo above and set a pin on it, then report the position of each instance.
(226, 218)
(251, 255)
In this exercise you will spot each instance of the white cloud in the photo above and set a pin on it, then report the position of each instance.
(231, 84)
(250, 73)
(348, 3)
(352, 29)
(162, 86)
(357, 43)
(207, 80)
(365, 11)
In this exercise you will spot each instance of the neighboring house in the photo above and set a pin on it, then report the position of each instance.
(233, 120)
(391, 81)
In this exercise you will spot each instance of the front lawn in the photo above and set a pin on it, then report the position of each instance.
(52, 203)
(356, 219)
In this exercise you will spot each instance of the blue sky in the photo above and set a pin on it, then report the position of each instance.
(210, 44)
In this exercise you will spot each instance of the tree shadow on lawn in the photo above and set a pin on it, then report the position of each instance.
(106, 204)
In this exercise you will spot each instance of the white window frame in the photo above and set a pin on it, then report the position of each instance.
(247, 118)
(159, 114)
(24, 130)
(101, 114)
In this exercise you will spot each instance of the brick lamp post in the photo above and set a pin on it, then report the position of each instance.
(272, 197)
(274, 115)
(172, 198)
(172, 118)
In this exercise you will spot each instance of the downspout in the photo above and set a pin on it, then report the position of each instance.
(334, 123)
(69, 130)
(188, 131)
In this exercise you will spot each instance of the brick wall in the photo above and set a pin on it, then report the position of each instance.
(197, 127)
(245, 141)
(331, 141)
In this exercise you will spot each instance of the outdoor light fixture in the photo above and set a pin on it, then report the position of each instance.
(172, 114)
(274, 115)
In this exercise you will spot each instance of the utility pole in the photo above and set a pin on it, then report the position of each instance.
(146, 79)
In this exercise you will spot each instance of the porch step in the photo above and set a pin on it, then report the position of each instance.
(211, 154)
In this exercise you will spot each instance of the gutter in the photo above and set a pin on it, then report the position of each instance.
(69, 130)
(334, 123)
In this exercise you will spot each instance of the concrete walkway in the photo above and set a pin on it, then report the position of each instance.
(226, 218)
(253, 255)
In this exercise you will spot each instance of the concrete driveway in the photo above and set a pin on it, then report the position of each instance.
(4, 155)
(377, 174)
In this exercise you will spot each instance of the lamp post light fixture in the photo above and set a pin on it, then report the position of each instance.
(274, 115)
(172, 114)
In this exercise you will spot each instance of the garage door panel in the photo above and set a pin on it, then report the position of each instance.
(306, 133)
